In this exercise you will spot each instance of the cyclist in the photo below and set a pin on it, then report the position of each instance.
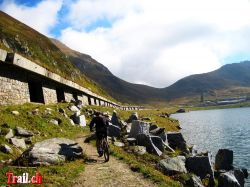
(101, 125)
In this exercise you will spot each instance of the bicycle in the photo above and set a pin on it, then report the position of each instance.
(104, 145)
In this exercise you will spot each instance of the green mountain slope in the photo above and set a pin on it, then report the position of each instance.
(116, 87)
(18, 37)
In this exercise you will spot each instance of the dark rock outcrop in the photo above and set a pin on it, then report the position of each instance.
(176, 140)
(224, 159)
(228, 180)
(201, 166)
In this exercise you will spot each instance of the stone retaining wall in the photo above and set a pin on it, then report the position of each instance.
(49, 95)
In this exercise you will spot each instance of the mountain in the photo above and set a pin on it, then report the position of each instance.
(20, 38)
(116, 87)
(228, 81)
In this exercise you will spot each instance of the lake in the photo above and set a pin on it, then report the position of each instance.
(212, 130)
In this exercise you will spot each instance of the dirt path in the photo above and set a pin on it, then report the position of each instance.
(113, 173)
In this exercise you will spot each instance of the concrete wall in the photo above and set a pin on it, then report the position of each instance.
(49, 95)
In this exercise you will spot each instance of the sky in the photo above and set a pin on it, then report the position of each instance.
(153, 42)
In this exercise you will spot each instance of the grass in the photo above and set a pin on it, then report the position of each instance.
(39, 124)
(145, 164)
(58, 175)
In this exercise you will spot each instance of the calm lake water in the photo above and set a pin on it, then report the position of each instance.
(215, 129)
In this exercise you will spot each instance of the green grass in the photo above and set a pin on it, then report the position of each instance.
(57, 175)
(145, 164)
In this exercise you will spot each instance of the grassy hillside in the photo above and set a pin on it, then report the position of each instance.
(18, 37)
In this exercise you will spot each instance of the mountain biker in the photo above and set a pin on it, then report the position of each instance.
(101, 125)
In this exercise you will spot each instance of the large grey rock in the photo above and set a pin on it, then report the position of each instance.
(51, 151)
(119, 144)
(158, 132)
(195, 181)
(224, 159)
(157, 141)
(239, 175)
(54, 121)
(5, 148)
(113, 130)
(134, 116)
(201, 166)
(176, 140)
(145, 140)
(20, 143)
(74, 108)
(139, 127)
(23, 132)
(172, 166)
(10, 134)
(228, 180)
(115, 119)
(79, 120)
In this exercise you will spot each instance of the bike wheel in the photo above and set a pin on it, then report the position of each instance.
(106, 150)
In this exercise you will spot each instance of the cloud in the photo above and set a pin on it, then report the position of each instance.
(42, 16)
(145, 41)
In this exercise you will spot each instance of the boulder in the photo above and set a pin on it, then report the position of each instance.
(195, 181)
(71, 122)
(9, 134)
(201, 166)
(20, 143)
(244, 170)
(239, 175)
(159, 132)
(172, 166)
(146, 141)
(139, 127)
(51, 151)
(5, 149)
(157, 141)
(113, 130)
(79, 104)
(139, 150)
(119, 144)
(73, 108)
(35, 111)
(61, 110)
(176, 140)
(224, 159)
(16, 113)
(181, 110)
(23, 132)
(79, 120)
(131, 141)
(115, 119)
(54, 121)
(228, 180)
(134, 116)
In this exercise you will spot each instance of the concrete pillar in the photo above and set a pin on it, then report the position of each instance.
(92, 101)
